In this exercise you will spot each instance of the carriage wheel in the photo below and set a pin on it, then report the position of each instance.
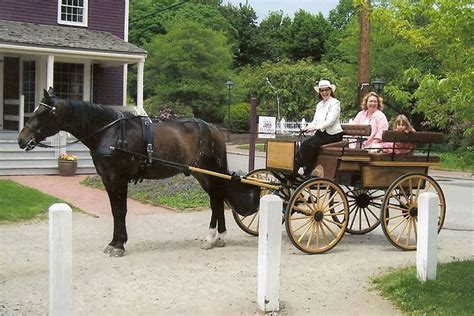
(316, 216)
(399, 213)
(364, 209)
(249, 224)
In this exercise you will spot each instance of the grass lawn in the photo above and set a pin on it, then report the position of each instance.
(18, 202)
(258, 147)
(453, 161)
(179, 192)
(451, 294)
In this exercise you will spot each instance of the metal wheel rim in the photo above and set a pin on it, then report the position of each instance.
(363, 215)
(310, 216)
(399, 212)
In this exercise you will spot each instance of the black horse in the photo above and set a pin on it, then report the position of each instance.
(190, 142)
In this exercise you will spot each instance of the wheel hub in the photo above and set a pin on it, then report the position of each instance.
(414, 212)
(318, 216)
(362, 200)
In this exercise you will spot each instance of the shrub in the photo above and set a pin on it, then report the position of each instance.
(239, 120)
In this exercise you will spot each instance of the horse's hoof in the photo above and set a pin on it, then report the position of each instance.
(108, 249)
(219, 243)
(117, 252)
(207, 245)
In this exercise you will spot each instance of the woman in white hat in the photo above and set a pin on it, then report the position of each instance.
(326, 125)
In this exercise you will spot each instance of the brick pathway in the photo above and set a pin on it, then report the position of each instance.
(90, 200)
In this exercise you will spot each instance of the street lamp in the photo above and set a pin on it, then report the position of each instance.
(230, 85)
(378, 84)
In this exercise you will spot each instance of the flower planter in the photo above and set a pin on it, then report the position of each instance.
(67, 168)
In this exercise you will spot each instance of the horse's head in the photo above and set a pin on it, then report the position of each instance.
(43, 123)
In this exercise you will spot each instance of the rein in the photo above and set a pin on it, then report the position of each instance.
(53, 110)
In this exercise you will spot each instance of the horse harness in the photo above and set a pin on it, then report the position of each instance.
(147, 160)
(148, 140)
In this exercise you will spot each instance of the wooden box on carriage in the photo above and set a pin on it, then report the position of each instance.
(281, 155)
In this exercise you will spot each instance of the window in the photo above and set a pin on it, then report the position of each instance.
(29, 87)
(72, 12)
(69, 81)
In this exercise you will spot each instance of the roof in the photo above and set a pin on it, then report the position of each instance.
(74, 38)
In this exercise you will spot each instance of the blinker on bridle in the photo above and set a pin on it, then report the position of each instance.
(52, 108)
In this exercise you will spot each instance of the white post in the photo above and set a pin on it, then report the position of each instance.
(269, 253)
(60, 259)
(426, 243)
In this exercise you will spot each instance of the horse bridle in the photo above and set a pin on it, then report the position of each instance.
(32, 142)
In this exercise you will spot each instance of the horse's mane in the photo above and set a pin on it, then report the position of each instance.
(89, 113)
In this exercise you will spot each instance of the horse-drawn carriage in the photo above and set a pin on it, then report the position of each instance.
(318, 210)
(357, 191)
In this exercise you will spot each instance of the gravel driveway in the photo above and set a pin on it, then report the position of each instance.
(165, 272)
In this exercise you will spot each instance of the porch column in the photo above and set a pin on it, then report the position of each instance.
(140, 68)
(50, 72)
(124, 90)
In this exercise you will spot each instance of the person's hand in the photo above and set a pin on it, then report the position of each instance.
(308, 129)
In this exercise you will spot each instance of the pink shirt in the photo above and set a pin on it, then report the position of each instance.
(378, 122)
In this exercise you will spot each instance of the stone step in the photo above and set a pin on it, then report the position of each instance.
(42, 171)
(6, 163)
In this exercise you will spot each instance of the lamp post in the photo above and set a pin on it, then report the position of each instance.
(230, 85)
(378, 84)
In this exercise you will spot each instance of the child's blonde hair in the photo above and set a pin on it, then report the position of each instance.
(405, 122)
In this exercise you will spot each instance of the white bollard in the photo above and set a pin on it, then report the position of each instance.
(426, 243)
(269, 253)
(60, 259)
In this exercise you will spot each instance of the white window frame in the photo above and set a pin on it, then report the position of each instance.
(85, 14)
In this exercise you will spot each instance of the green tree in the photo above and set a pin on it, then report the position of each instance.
(273, 35)
(188, 66)
(342, 14)
(244, 33)
(292, 81)
(308, 35)
(441, 31)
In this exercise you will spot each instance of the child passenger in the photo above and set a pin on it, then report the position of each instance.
(401, 124)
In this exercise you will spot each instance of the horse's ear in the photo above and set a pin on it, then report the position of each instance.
(45, 94)
(51, 92)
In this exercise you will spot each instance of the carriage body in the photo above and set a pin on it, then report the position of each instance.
(363, 188)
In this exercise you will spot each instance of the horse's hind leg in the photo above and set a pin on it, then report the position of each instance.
(117, 192)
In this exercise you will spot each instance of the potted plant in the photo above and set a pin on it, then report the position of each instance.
(67, 164)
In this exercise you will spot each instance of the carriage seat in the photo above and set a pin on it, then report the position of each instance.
(354, 131)
(421, 155)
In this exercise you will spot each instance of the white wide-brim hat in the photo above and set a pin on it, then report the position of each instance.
(325, 84)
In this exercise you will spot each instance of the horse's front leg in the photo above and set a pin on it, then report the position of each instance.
(117, 191)
(217, 229)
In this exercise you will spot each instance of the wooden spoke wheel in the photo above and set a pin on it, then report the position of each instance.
(316, 216)
(364, 209)
(249, 224)
(399, 212)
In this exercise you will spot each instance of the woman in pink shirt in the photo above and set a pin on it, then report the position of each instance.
(372, 114)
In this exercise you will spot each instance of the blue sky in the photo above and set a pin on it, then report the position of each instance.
(263, 7)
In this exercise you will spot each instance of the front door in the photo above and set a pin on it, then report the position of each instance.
(11, 92)
(17, 77)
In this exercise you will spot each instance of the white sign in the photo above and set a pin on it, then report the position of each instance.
(266, 126)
